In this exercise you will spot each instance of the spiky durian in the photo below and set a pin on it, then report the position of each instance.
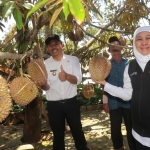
(76, 35)
(122, 41)
(5, 99)
(88, 90)
(79, 34)
(23, 90)
(99, 67)
(37, 70)
(71, 35)
(106, 54)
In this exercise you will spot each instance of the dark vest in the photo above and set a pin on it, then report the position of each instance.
(140, 101)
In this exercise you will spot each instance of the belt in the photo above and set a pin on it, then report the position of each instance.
(65, 100)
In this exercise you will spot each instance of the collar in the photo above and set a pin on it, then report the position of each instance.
(122, 58)
(52, 59)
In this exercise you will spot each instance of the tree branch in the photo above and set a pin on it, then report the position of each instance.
(6, 55)
(90, 42)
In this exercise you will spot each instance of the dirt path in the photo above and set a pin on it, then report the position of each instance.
(95, 125)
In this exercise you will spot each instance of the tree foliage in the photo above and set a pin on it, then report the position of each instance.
(88, 23)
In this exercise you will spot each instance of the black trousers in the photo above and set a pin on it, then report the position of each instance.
(58, 112)
(139, 146)
(116, 116)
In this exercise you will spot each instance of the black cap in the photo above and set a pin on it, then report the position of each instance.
(113, 39)
(52, 37)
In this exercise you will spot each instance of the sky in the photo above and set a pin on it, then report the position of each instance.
(8, 25)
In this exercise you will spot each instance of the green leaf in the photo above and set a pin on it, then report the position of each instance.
(8, 9)
(66, 9)
(10, 48)
(23, 47)
(77, 10)
(18, 19)
(36, 7)
(62, 16)
(2, 2)
(55, 15)
(27, 5)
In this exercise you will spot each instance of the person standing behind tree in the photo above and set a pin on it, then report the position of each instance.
(64, 73)
(116, 107)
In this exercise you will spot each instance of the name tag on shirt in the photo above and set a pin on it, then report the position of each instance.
(53, 72)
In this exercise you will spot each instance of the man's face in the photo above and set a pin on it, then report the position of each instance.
(55, 48)
(113, 49)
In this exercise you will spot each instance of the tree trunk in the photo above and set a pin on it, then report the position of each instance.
(32, 122)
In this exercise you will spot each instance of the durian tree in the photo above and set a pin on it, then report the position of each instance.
(84, 25)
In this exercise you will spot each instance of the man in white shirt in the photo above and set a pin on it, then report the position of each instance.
(64, 73)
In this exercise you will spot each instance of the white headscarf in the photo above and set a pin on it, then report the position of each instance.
(142, 60)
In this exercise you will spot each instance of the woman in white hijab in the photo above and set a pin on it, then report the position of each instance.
(137, 88)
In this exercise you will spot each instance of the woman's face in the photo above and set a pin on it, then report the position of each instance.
(142, 42)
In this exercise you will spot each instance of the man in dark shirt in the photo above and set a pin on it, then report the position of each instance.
(116, 107)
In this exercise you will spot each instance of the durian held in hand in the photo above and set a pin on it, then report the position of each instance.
(88, 90)
(99, 67)
(5, 99)
(37, 72)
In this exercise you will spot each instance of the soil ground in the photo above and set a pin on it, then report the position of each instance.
(96, 127)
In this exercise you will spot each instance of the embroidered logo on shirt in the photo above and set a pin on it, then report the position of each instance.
(132, 74)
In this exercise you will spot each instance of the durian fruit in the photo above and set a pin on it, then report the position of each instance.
(23, 90)
(37, 70)
(5, 99)
(106, 54)
(76, 34)
(99, 67)
(88, 90)
(67, 26)
(122, 41)
(79, 34)
(71, 35)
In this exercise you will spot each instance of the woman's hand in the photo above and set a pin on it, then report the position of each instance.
(99, 82)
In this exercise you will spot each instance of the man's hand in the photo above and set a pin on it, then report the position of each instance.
(40, 83)
(44, 85)
(62, 74)
(106, 107)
